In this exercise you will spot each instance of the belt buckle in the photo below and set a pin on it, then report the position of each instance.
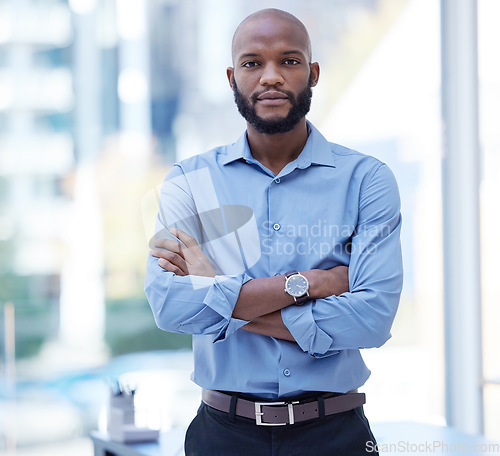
(259, 413)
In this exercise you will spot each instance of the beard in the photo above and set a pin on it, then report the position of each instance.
(300, 107)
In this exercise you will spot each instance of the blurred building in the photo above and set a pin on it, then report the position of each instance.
(36, 151)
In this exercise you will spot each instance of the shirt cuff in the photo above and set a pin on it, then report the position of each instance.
(222, 298)
(309, 336)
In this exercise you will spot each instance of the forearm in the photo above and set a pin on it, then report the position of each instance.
(261, 297)
(270, 325)
(264, 296)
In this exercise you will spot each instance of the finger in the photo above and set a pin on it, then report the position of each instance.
(159, 253)
(186, 239)
(170, 267)
(169, 244)
(172, 257)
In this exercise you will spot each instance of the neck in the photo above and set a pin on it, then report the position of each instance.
(276, 151)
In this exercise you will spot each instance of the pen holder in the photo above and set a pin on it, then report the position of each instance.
(121, 419)
(121, 411)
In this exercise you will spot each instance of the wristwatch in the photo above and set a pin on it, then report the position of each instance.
(297, 285)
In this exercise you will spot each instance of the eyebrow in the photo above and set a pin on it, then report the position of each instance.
(254, 54)
(248, 54)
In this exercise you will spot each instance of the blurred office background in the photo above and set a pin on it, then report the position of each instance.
(98, 98)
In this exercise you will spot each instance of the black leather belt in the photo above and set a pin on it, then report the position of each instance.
(283, 412)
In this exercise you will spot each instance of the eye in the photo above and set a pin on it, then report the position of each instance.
(249, 64)
(291, 62)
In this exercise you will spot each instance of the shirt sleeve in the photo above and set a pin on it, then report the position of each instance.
(189, 304)
(361, 318)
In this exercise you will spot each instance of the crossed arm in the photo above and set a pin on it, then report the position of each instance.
(260, 300)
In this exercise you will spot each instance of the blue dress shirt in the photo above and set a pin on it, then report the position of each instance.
(331, 206)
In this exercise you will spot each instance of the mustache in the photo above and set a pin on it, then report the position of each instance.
(285, 92)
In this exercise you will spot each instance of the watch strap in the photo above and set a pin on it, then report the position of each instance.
(302, 299)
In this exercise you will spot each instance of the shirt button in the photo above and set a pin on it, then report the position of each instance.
(286, 372)
(277, 180)
(276, 227)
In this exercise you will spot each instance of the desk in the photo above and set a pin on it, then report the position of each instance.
(393, 439)
(171, 443)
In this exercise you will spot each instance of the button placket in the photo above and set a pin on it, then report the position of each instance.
(276, 200)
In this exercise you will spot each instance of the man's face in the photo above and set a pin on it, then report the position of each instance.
(272, 75)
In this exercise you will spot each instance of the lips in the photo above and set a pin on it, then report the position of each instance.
(272, 99)
(272, 96)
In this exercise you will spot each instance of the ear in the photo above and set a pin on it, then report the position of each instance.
(315, 73)
(230, 76)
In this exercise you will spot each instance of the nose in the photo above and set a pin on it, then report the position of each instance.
(271, 75)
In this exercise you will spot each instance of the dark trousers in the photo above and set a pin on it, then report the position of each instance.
(215, 433)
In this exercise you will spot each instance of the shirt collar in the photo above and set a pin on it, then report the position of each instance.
(316, 151)
(238, 150)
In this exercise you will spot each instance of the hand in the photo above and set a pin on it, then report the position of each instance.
(324, 283)
(183, 257)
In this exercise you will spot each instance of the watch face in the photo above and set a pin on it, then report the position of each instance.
(297, 285)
